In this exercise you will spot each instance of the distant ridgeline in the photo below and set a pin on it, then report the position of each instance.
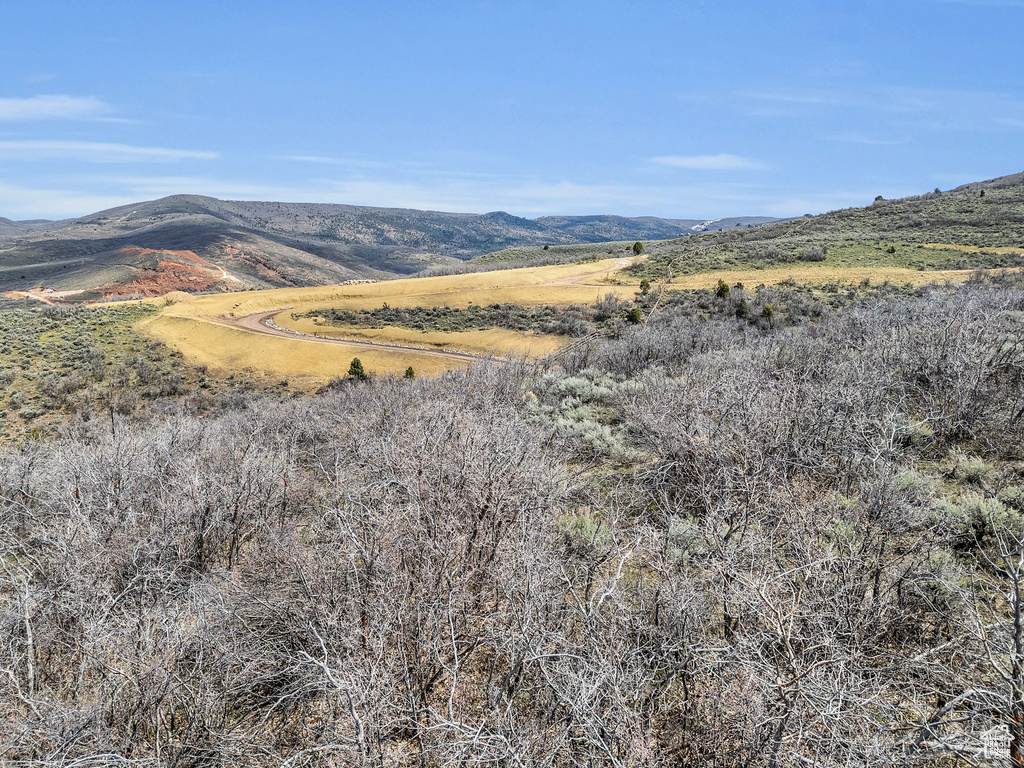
(201, 244)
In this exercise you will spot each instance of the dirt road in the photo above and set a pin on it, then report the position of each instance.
(46, 298)
(261, 322)
(587, 279)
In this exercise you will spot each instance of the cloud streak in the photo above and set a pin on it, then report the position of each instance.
(722, 162)
(905, 110)
(96, 152)
(55, 107)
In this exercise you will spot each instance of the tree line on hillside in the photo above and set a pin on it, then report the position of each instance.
(703, 542)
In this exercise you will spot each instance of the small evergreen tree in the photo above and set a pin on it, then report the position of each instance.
(638, 248)
(722, 290)
(355, 369)
(768, 313)
(410, 373)
(645, 287)
(634, 315)
(742, 310)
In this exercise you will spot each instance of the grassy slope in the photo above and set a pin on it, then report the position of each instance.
(182, 325)
(506, 285)
(959, 229)
(304, 363)
(484, 342)
(59, 361)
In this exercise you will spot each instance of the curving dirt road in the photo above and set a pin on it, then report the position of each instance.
(259, 322)
(262, 322)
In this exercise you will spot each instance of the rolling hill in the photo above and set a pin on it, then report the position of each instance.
(975, 225)
(9, 228)
(194, 243)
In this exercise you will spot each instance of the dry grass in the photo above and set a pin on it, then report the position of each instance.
(815, 273)
(183, 322)
(973, 248)
(303, 363)
(496, 341)
(510, 285)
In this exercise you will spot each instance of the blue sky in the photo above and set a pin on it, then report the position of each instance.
(684, 109)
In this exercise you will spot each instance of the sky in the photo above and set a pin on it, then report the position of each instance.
(675, 109)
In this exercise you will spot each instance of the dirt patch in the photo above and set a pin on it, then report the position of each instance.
(176, 271)
(189, 256)
(45, 295)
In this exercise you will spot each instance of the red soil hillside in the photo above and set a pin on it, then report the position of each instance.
(165, 271)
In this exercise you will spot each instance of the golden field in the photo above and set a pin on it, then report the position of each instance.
(819, 273)
(301, 362)
(559, 284)
(195, 325)
(493, 341)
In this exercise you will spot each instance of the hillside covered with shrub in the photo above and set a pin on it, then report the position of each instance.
(975, 225)
(702, 540)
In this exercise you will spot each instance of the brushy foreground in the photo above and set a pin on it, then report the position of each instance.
(701, 543)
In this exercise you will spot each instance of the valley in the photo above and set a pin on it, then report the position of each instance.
(205, 244)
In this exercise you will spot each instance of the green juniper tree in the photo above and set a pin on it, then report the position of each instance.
(355, 369)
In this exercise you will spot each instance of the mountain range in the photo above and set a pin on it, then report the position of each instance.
(196, 243)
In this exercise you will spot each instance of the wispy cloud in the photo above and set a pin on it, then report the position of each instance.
(869, 141)
(50, 202)
(341, 162)
(96, 152)
(53, 108)
(723, 162)
(904, 110)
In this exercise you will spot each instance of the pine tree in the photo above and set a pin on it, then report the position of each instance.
(742, 310)
(638, 248)
(355, 369)
(410, 373)
(722, 290)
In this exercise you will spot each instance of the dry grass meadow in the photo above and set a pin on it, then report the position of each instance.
(190, 323)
